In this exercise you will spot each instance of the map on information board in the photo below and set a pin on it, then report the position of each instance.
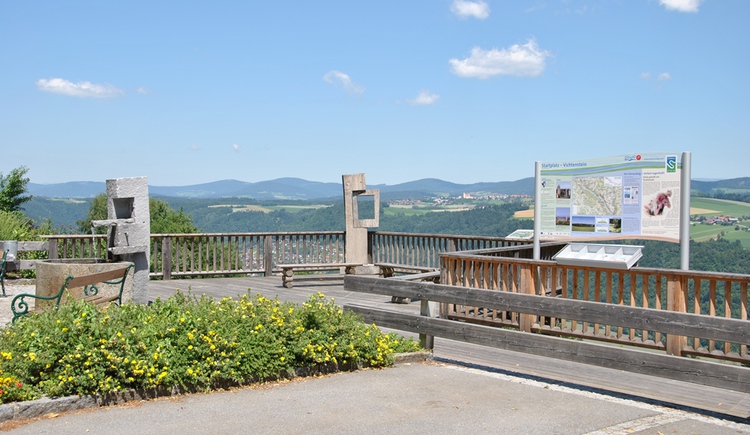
(628, 196)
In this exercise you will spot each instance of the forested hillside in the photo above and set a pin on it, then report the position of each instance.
(713, 255)
(497, 220)
(488, 221)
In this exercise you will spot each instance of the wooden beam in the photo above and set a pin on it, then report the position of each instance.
(667, 366)
(683, 324)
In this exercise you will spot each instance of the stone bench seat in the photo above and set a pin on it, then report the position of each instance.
(288, 270)
(389, 270)
(409, 273)
(433, 276)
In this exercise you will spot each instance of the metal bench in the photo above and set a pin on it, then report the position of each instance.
(287, 275)
(20, 306)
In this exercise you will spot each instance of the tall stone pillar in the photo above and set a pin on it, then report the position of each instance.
(356, 228)
(129, 232)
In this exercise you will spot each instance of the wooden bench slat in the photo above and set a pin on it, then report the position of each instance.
(406, 267)
(20, 306)
(100, 299)
(315, 265)
(109, 275)
(287, 277)
(419, 276)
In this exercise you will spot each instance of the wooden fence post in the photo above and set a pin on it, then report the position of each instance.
(427, 309)
(676, 287)
(527, 286)
(267, 255)
(166, 258)
(52, 249)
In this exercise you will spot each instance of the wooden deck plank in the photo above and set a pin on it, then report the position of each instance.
(683, 394)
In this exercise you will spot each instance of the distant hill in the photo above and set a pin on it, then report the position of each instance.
(299, 189)
(734, 185)
(288, 188)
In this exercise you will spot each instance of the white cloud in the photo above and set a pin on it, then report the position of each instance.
(465, 9)
(143, 90)
(236, 147)
(681, 5)
(526, 60)
(340, 79)
(80, 89)
(425, 98)
(194, 147)
(661, 77)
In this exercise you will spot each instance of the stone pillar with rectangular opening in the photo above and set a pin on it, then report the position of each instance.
(129, 228)
(362, 211)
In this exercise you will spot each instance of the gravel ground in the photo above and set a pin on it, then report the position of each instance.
(12, 289)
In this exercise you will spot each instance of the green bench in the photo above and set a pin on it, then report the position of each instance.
(115, 277)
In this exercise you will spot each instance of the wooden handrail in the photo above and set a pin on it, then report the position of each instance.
(666, 290)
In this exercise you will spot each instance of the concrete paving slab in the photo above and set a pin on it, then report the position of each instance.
(409, 398)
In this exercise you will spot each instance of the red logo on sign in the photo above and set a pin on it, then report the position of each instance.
(638, 157)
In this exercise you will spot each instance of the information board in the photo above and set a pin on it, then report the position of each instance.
(627, 196)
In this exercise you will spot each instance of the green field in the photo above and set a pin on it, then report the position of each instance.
(418, 210)
(718, 207)
(709, 208)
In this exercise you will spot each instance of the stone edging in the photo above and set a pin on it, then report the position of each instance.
(45, 405)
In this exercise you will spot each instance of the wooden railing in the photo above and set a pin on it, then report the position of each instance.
(227, 254)
(726, 376)
(707, 294)
(184, 255)
(424, 249)
(216, 254)
(77, 246)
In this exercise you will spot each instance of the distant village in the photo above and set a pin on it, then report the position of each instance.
(718, 220)
(449, 200)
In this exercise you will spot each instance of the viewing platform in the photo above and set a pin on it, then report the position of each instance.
(699, 398)
(671, 336)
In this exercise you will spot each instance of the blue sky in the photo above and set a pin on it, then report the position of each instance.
(190, 92)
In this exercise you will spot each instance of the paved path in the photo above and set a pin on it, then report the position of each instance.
(410, 398)
(11, 289)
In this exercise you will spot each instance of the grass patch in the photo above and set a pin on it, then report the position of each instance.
(718, 207)
(193, 343)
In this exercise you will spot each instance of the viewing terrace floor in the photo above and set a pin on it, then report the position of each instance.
(653, 389)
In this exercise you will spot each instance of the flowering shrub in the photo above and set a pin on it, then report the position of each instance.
(12, 390)
(186, 341)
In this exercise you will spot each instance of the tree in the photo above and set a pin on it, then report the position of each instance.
(12, 189)
(97, 211)
(164, 219)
